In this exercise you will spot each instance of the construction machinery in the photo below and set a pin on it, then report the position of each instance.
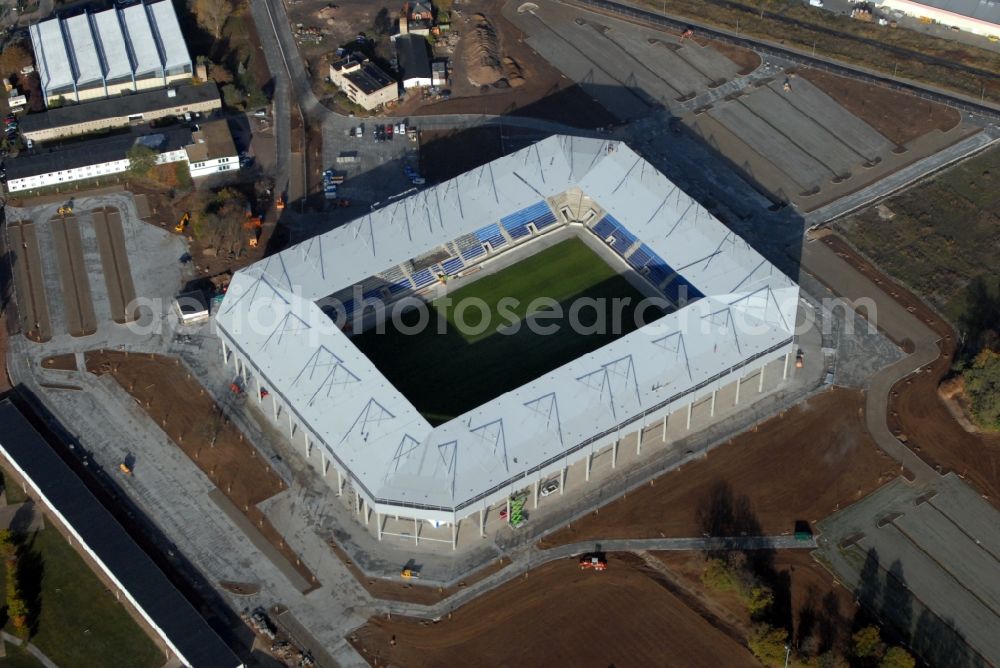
(687, 34)
(65, 211)
(800, 360)
(125, 468)
(183, 222)
(235, 387)
(409, 574)
(252, 224)
(280, 204)
(594, 562)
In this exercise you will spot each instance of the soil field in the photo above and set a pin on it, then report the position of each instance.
(412, 591)
(561, 616)
(32, 305)
(80, 318)
(65, 362)
(898, 116)
(114, 261)
(917, 411)
(817, 606)
(175, 400)
(800, 465)
(545, 93)
(941, 235)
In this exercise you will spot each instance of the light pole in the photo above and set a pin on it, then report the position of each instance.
(788, 653)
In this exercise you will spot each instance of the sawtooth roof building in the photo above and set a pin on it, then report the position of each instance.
(96, 55)
(334, 401)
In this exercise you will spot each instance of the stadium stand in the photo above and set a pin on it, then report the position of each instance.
(452, 265)
(516, 224)
(491, 235)
(610, 229)
(422, 278)
(469, 246)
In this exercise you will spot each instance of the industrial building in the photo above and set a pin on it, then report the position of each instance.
(131, 575)
(980, 17)
(104, 54)
(120, 112)
(208, 151)
(362, 434)
(363, 81)
(413, 55)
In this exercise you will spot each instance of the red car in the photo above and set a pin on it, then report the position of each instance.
(388, 131)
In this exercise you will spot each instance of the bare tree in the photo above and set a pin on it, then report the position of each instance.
(212, 15)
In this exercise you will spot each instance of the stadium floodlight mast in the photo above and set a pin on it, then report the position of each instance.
(740, 316)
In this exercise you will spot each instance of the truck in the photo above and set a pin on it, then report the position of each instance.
(348, 158)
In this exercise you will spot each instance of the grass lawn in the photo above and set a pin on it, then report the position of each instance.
(447, 374)
(18, 657)
(945, 233)
(13, 490)
(80, 623)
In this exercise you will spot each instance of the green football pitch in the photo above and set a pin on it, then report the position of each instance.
(487, 348)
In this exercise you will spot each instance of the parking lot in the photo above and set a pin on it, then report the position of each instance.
(925, 557)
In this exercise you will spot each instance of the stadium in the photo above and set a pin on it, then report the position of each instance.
(427, 430)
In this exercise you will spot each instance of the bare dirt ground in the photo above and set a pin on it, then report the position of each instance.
(800, 465)
(545, 93)
(898, 116)
(175, 400)
(917, 411)
(561, 616)
(816, 603)
(412, 591)
(65, 362)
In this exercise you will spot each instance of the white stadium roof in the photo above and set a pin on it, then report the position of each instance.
(375, 432)
(108, 45)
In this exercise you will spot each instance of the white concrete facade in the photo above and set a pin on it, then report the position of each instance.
(65, 176)
(959, 14)
(362, 433)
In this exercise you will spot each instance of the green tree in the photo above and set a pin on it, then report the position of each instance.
(141, 159)
(897, 657)
(982, 384)
(768, 644)
(256, 98)
(868, 643)
(232, 96)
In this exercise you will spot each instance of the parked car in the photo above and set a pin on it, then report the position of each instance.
(388, 131)
(550, 487)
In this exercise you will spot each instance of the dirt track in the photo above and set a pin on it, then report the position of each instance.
(801, 465)
(561, 616)
(917, 412)
(175, 400)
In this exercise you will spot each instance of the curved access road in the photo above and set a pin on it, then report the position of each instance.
(899, 324)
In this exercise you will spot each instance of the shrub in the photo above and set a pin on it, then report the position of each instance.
(897, 657)
(868, 643)
(768, 644)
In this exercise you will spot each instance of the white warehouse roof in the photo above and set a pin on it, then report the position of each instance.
(375, 432)
(108, 45)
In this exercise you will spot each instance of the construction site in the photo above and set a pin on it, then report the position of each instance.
(830, 446)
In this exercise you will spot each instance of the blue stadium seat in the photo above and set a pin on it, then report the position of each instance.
(402, 286)
(539, 215)
(469, 246)
(452, 265)
(422, 278)
(491, 234)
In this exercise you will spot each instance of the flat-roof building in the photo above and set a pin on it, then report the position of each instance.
(981, 17)
(414, 60)
(94, 55)
(119, 112)
(363, 81)
(208, 150)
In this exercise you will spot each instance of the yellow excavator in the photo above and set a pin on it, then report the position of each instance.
(182, 223)
(65, 211)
